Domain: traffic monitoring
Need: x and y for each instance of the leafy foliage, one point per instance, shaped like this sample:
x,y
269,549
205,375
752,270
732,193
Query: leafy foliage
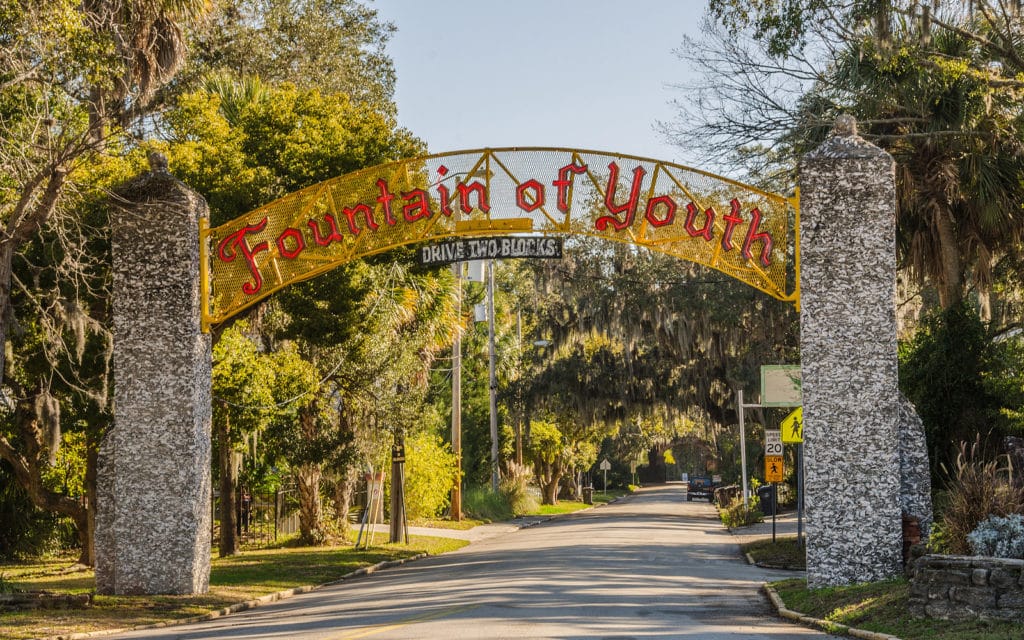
x,y
336,46
735,514
428,463
943,371
1001,537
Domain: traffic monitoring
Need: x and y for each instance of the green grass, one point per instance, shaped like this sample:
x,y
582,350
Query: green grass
x,y
462,525
882,607
604,498
782,554
563,506
243,577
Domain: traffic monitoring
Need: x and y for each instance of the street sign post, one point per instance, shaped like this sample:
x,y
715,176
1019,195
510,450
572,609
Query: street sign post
x,y
792,427
605,466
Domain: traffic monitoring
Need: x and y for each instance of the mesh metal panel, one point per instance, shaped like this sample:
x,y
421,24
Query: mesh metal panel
x,y
739,230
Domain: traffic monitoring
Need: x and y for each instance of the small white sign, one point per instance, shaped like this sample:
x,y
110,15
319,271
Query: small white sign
x,y
773,442
781,386
605,465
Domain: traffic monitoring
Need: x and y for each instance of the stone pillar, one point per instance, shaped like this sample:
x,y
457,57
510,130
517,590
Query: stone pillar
x,y
848,356
153,507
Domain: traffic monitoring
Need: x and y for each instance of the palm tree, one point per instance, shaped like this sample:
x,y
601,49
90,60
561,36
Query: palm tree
x,y
958,150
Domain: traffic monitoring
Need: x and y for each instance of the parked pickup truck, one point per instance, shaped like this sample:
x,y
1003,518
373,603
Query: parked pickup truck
x,y
700,487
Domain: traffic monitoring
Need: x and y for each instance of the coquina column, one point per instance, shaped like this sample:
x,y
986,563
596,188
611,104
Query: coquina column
x,y
848,356
153,508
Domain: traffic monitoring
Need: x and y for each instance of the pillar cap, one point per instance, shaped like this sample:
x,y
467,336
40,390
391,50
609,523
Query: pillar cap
x,y
844,142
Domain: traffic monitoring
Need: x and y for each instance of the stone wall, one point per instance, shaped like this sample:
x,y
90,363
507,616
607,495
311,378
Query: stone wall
x,y
966,587
848,360
153,488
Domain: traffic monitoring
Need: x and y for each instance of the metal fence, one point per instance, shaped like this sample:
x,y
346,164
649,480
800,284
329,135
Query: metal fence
x,y
262,519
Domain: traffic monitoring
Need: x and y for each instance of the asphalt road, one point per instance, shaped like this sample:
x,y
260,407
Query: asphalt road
x,y
648,566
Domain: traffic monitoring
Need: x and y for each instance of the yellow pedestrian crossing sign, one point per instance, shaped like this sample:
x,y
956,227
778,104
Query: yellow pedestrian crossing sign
x,y
774,469
793,427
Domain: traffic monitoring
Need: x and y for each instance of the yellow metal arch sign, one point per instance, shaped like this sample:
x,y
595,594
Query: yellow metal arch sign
x,y
737,229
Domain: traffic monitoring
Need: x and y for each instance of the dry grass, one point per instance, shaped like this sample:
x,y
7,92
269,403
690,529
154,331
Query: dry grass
x,y
977,489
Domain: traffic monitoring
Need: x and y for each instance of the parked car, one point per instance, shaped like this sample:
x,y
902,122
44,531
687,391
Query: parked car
x,y
700,487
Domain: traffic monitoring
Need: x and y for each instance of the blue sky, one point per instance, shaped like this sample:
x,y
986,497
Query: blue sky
x,y
568,73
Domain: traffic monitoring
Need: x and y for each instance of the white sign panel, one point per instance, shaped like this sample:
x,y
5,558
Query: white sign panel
x,y
781,386
772,442
605,465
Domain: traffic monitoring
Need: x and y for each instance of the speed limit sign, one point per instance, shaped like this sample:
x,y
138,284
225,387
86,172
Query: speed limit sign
x,y
772,442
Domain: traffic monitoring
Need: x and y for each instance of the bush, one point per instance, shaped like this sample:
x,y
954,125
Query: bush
x,y
999,537
977,489
736,515
25,530
430,474
480,503
514,486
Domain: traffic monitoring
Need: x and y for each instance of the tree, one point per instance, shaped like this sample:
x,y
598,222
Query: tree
x,y
244,384
72,77
947,370
928,86
548,453
335,46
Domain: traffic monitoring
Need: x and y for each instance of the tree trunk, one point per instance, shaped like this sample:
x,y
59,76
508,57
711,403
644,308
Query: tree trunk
x,y
343,491
88,555
549,489
311,520
228,544
950,283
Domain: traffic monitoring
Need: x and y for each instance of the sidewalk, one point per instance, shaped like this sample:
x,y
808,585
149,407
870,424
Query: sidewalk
x,y
477,533
785,525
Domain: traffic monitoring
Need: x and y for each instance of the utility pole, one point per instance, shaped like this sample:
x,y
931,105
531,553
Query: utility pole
x,y
456,508
520,409
493,378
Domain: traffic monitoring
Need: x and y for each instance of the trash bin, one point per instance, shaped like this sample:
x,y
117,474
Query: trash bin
x,y
588,495
767,497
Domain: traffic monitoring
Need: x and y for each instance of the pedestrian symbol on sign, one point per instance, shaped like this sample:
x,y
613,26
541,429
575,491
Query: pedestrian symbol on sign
x,y
793,427
774,469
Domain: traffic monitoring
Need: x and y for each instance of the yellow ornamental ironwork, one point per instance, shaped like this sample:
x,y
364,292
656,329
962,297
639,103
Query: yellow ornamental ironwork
x,y
737,229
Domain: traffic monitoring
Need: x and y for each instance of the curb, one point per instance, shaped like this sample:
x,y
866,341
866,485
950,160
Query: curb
x,y
824,625
240,606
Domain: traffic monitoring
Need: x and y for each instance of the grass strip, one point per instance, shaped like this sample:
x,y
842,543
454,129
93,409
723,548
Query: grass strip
x,y
882,607
781,554
235,579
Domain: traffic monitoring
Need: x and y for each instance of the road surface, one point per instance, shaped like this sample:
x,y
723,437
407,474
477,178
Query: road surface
x,y
649,566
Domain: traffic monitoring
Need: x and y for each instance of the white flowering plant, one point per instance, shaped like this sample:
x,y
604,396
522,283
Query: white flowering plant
x,y
999,537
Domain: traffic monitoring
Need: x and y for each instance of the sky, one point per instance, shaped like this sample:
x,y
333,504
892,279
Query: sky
x,y
588,74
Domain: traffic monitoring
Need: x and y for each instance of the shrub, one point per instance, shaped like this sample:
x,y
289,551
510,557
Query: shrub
x,y
480,503
999,537
736,515
430,472
977,489
515,487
